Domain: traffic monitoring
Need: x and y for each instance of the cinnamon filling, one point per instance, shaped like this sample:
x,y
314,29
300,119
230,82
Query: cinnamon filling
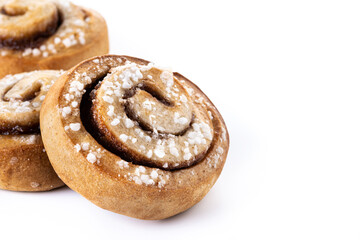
x,y
99,131
7,130
91,126
133,116
21,96
33,40
15,130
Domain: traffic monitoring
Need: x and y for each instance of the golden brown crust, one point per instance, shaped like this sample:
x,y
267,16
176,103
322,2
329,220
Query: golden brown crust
x,y
24,165
82,34
127,189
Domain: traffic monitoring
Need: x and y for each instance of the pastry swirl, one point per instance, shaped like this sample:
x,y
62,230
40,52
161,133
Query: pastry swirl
x,y
48,34
141,140
136,105
23,162
26,23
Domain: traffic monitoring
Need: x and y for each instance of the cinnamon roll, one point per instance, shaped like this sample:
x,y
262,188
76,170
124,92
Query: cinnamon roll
x,y
48,34
133,138
24,165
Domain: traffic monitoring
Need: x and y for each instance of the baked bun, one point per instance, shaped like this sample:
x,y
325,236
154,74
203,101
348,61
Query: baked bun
x,y
48,34
133,138
24,165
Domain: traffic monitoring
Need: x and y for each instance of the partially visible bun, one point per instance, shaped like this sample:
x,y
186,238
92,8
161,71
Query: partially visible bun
x,y
24,165
48,34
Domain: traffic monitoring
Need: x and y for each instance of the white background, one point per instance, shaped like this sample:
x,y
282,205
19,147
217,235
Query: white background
x,y
285,76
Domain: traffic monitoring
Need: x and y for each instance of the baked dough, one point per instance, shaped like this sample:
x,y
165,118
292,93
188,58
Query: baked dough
x,y
133,138
48,34
24,165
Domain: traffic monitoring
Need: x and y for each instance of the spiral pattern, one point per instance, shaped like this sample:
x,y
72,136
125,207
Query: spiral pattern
x,y
24,22
21,98
41,28
143,114
133,138
24,165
